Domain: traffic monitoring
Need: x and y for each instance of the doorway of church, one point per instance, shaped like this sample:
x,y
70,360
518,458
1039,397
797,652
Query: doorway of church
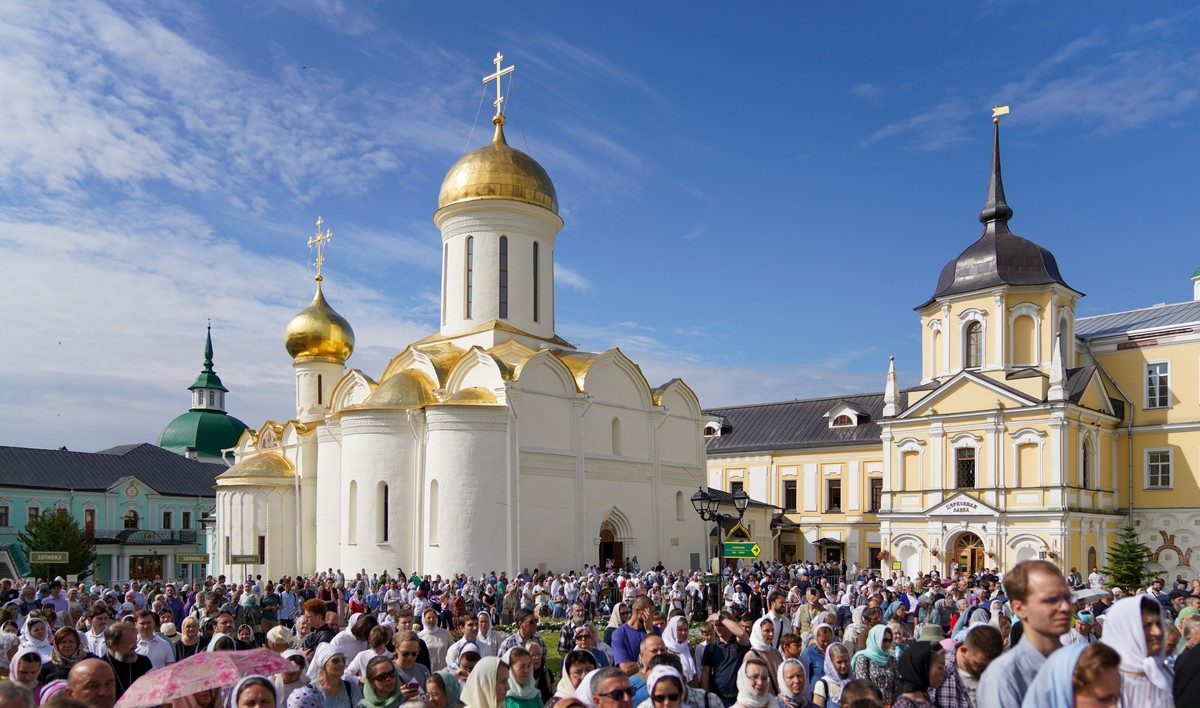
x,y
968,553
145,567
610,549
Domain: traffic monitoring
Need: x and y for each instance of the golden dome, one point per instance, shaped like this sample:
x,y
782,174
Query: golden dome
x,y
258,466
406,389
498,171
474,396
319,333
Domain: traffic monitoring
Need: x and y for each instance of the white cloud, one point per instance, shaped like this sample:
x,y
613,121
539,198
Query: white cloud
x,y
866,91
566,277
695,232
936,128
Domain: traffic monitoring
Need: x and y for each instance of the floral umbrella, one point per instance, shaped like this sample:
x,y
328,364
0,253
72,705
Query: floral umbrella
x,y
201,672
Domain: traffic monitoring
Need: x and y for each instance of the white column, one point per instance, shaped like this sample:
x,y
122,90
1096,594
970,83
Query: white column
x,y
853,474
168,566
946,338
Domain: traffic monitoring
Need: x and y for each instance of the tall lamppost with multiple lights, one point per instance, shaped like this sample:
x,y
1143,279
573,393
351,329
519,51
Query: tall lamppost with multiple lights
x,y
706,505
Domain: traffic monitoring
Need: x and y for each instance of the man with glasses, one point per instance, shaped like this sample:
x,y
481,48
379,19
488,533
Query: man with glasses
x,y
610,688
1040,597
566,636
526,632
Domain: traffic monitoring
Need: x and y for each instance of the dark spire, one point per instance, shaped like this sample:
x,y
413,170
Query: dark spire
x,y
996,209
208,377
208,353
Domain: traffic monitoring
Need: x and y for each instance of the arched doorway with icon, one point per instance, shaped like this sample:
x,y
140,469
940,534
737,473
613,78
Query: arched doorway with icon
x,y
966,553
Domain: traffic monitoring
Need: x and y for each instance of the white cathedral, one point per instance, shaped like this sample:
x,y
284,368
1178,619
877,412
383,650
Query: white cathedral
x,y
492,444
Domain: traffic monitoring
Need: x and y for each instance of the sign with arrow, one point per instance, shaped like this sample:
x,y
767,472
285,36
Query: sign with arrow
x,y
742,549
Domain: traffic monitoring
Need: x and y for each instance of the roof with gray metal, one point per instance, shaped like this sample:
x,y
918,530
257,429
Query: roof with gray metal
x,y
792,425
1147,318
163,471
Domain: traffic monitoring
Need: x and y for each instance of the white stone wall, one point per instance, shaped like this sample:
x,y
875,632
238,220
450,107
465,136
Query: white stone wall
x,y
467,455
244,513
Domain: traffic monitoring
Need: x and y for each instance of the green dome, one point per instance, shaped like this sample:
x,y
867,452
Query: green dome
x,y
207,431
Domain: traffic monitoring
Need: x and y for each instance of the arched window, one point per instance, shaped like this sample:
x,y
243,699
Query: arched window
x,y
131,519
352,515
433,512
503,277
381,514
320,390
1064,337
935,354
536,265
616,436
973,353
470,266
679,506
1085,464
445,272
842,420
1024,345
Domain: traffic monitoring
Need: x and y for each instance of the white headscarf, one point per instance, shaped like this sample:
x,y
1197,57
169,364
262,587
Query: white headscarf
x,y
480,689
747,697
756,636
584,692
325,651
1123,631
784,691
658,673
43,647
681,649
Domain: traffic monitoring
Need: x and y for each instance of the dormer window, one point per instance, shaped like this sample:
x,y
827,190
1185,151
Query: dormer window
x,y
712,430
842,421
847,414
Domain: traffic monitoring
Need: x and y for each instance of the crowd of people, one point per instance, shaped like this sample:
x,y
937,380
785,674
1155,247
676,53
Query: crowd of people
x,y
795,636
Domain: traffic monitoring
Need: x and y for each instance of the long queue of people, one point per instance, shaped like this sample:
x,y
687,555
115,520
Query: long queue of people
x,y
774,635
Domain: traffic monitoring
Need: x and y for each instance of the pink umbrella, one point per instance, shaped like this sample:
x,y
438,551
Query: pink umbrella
x,y
201,672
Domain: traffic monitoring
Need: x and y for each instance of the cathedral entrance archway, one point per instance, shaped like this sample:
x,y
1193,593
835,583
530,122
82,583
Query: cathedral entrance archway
x,y
610,548
967,553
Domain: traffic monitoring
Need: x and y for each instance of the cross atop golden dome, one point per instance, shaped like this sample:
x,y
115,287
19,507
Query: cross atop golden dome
x,y
318,332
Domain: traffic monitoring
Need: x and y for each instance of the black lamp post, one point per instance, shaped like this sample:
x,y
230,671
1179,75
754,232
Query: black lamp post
x,y
706,505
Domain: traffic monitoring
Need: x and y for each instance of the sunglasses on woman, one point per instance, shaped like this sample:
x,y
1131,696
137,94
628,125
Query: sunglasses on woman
x,y
665,698
385,676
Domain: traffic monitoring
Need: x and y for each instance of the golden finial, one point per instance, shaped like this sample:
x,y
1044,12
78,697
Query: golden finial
x,y
319,239
499,102
998,111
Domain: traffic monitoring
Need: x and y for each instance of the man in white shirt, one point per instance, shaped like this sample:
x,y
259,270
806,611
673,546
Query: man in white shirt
x,y
97,623
149,644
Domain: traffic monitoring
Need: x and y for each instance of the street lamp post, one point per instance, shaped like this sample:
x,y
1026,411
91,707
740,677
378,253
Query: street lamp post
x,y
706,505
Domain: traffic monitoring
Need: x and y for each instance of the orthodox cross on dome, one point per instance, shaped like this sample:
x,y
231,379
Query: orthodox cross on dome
x,y
318,240
499,102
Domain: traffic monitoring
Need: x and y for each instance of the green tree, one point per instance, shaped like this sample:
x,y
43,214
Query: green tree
x,y
58,531
1128,560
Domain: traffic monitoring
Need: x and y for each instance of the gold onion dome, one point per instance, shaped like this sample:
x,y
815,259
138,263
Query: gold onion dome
x,y
319,333
498,171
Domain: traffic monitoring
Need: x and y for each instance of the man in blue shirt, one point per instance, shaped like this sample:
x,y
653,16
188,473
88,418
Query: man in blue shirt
x,y
627,639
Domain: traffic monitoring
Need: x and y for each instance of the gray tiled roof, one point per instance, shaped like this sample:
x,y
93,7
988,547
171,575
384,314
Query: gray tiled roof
x,y
792,425
163,471
1156,317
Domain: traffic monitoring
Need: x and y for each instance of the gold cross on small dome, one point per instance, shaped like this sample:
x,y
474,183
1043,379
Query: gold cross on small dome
x,y
499,102
319,239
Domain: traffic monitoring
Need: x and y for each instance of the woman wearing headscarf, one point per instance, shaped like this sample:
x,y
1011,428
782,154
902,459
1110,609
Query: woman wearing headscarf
x,y
620,613
69,650
792,682
826,690
522,690
287,682
221,642
762,635
380,687
543,677
676,640
1134,628
876,663
922,667
252,692
1090,672
24,669
436,639
35,636
326,687
8,647
665,687
442,690
576,665
583,693
487,686
754,685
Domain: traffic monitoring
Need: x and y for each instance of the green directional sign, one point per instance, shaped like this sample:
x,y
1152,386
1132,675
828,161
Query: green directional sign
x,y
243,559
49,557
742,549
195,558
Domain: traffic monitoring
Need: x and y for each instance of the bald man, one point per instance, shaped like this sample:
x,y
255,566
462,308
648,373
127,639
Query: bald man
x,y
93,682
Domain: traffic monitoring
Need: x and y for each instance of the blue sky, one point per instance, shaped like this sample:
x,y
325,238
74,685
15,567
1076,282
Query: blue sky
x,y
755,195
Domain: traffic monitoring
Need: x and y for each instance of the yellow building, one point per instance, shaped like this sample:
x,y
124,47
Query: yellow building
x,y
1016,442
